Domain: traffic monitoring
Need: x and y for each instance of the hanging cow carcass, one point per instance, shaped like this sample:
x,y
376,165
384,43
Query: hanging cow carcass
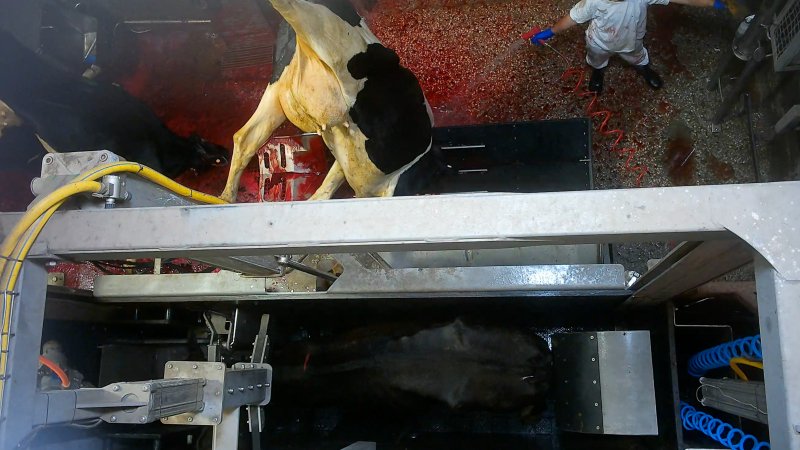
x,y
343,84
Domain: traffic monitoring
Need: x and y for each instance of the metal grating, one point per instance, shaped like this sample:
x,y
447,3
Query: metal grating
x,y
786,37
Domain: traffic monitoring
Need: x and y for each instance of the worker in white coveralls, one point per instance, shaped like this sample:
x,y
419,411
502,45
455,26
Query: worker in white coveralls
x,y
617,27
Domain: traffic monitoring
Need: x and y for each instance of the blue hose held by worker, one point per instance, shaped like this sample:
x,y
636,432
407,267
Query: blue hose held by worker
x,y
721,355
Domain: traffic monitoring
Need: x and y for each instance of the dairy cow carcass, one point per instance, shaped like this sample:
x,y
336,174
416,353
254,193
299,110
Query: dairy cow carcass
x,y
458,365
343,84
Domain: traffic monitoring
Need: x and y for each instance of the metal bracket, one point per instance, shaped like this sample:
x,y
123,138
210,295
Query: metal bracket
x,y
243,384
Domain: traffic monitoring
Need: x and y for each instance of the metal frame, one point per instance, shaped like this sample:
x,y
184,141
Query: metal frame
x,y
762,215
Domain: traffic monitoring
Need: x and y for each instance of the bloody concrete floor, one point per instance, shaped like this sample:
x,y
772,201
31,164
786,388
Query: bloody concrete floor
x,y
475,69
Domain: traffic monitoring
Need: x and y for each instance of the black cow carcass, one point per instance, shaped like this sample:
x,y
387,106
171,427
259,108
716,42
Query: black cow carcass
x,y
455,365
71,113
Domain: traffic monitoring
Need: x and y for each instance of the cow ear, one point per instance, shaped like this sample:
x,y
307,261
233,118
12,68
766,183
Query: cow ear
x,y
377,59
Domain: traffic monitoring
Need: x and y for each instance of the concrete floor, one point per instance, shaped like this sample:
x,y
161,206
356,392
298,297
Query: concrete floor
x,y
474,69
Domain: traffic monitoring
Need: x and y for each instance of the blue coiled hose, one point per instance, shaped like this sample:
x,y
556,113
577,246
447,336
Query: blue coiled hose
x,y
720,356
725,434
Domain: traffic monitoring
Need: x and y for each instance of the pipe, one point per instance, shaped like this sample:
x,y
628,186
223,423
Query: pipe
x,y
748,105
733,94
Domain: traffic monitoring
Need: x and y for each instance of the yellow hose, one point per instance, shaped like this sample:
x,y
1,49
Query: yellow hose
x,y
10,281
151,175
734,362
17,244
33,214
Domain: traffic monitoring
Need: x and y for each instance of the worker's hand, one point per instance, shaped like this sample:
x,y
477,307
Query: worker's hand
x,y
542,36
719,4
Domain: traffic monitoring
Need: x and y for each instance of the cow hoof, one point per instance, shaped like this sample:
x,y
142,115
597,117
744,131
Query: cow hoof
x,y
226,196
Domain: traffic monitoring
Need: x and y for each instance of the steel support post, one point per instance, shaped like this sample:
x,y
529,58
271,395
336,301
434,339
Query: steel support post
x,y
226,434
26,329
779,312
732,96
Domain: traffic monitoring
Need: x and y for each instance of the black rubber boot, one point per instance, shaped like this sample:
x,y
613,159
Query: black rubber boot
x,y
596,81
650,76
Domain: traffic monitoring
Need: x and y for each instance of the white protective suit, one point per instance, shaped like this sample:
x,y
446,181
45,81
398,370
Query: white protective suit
x,y
617,27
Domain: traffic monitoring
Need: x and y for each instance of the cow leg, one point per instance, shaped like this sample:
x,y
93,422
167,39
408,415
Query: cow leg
x,y
325,33
330,184
268,116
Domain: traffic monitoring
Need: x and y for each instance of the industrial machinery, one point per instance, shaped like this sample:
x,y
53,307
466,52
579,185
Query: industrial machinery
x,y
179,357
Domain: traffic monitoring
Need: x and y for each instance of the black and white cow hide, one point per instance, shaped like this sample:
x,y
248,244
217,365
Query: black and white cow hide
x,y
333,77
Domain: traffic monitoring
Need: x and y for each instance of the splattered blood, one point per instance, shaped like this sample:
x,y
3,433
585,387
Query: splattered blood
x,y
722,171
679,155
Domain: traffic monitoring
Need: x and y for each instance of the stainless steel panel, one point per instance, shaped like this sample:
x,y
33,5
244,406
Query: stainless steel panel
x,y
627,388
742,398
577,380
604,383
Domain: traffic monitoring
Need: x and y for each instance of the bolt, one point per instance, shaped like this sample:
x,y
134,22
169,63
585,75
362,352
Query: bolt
x,y
596,404
230,391
215,419
266,384
115,387
113,419
250,387
217,393
593,359
241,389
103,157
189,419
591,338
252,366
597,427
165,419
169,366
48,160
219,366
143,419
594,381
145,388
259,386
194,366
566,381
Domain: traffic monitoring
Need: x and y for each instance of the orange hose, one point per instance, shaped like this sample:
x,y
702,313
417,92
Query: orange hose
x,y
637,169
58,371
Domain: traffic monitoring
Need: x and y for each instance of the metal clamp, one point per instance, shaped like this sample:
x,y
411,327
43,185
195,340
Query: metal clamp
x,y
224,388
113,190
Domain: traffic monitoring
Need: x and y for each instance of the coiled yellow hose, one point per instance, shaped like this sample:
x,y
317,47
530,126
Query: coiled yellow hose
x,y
18,242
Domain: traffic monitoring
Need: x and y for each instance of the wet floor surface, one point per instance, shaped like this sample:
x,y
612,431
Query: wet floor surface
x,y
475,69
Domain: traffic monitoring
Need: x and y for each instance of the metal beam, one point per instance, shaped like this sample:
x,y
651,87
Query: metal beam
x,y
688,266
482,279
762,214
779,312
18,411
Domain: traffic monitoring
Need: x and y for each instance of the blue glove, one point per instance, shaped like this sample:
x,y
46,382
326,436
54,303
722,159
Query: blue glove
x,y
544,35
719,4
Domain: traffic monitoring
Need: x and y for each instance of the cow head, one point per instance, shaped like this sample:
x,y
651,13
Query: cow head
x,y
206,154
